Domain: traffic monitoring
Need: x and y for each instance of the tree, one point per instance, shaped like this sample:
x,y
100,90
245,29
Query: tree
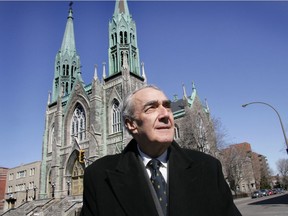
x,y
282,167
220,133
237,166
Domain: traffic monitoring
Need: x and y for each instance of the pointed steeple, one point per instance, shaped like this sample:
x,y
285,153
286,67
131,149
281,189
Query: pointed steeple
x,y
68,42
67,62
121,8
123,41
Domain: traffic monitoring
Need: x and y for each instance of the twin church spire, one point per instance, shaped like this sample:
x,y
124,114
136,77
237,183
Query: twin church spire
x,y
123,51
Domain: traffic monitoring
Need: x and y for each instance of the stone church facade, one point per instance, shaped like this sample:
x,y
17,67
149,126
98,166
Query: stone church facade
x,y
87,118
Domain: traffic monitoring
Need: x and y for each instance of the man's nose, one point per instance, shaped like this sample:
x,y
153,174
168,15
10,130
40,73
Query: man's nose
x,y
163,111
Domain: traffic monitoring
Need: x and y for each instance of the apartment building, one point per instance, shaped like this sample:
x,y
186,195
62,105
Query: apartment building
x,y
22,184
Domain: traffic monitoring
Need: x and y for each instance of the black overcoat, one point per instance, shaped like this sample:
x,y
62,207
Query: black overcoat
x,y
115,185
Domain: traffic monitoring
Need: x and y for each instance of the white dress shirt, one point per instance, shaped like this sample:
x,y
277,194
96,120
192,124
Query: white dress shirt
x,y
162,158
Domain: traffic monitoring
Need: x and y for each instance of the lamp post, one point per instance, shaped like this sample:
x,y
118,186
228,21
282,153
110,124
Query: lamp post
x,y
53,189
35,188
282,127
68,187
27,194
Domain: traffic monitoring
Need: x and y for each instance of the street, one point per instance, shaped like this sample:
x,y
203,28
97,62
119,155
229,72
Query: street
x,y
275,205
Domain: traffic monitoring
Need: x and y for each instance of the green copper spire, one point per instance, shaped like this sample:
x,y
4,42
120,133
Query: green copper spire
x,y
123,50
67,62
121,8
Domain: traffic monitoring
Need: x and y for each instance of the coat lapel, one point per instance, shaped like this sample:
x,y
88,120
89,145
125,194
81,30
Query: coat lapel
x,y
185,180
130,186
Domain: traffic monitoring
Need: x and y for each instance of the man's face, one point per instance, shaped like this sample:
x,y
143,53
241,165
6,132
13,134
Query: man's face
x,y
153,124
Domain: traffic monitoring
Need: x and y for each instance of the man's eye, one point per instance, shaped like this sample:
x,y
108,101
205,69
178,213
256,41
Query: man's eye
x,y
150,109
167,104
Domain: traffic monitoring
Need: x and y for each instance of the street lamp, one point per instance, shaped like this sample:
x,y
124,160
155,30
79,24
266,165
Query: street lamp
x,y
53,189
282,127
35,188
68,186
27,194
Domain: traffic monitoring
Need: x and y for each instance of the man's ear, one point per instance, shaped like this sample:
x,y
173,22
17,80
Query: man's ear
x,y
131,125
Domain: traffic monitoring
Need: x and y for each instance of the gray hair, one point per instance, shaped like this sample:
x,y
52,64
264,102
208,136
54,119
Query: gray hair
x,y
128,105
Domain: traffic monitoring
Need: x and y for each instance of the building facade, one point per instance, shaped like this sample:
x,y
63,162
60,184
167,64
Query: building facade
x,y
22,184
3,176
244,169
86,118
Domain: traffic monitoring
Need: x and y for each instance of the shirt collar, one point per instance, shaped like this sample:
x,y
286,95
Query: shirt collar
x,y
162,158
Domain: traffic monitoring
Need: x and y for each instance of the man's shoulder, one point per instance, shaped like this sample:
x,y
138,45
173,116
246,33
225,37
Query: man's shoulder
x,y
195,155
105,162
112,161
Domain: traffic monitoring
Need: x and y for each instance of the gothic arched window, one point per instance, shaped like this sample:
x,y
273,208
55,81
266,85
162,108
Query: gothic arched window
x,y
116,116
121,37
201,135
78,127
125,37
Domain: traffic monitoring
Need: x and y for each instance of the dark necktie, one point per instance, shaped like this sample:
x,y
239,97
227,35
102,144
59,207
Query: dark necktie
x,y
158,183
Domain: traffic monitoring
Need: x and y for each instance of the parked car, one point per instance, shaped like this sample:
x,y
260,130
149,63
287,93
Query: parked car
x,y
274,191
256,194
270,192
264,192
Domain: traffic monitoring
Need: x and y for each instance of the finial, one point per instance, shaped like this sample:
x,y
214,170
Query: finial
x,y
143,72
184,91
206,102
193,85
70,4
175,97
49,97
95,72
104,70
193,90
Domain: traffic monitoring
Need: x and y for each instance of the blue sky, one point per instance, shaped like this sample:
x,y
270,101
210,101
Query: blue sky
x,y
234,52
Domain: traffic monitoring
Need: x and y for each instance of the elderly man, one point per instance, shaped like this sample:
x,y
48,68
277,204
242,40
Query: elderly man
x,y
153,176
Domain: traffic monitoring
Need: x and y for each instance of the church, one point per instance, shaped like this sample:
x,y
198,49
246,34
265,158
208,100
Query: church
x,y
83,121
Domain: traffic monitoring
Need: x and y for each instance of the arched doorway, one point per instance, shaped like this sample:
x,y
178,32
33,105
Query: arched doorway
x,y
77,178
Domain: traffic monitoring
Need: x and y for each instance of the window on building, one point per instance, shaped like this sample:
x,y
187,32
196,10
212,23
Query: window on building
x,y
116,116
20,187
32,172
201,135
51,139
121,37
10,189
31,185
11,176
78,127
176,132
125,38
21,174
